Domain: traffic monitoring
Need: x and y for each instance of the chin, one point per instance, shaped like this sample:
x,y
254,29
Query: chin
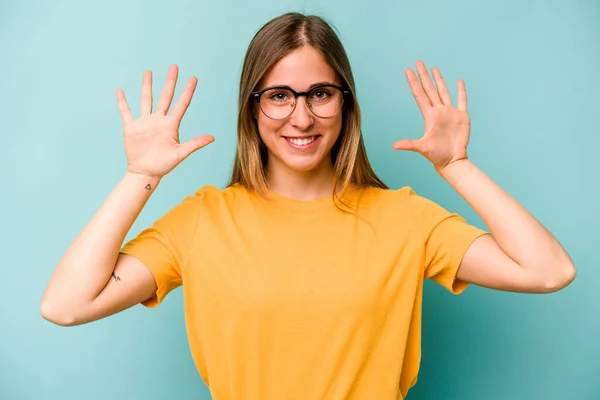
x,y
293,163
303,166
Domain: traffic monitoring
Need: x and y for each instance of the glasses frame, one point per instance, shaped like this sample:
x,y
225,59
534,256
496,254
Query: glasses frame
x,y
257,94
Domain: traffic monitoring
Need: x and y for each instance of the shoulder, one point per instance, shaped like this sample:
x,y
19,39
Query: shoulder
x,y
401,205
407,197
207,193
210,196
402,197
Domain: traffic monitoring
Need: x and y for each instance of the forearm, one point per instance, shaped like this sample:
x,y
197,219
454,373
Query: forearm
x,y
514,229
90,260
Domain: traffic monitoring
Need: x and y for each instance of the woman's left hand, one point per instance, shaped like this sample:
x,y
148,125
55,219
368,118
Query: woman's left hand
x,y
447,129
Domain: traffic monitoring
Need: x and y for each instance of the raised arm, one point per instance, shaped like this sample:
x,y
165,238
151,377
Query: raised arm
x,y
520,255
92,280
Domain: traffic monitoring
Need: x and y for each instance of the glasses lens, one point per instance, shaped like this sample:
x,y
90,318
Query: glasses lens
x,y
325,101
277,103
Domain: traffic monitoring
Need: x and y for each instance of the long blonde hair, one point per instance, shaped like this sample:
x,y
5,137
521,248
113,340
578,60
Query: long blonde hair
x,y
272,42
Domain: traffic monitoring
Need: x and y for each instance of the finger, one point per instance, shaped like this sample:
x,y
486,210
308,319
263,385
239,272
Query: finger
x,y
409,144
428,84
187,148
462,95
185,99
441,87
167,93
124,107
417,91
146,100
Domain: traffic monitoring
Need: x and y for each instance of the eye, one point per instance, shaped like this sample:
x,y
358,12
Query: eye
x,y
320,94
278,96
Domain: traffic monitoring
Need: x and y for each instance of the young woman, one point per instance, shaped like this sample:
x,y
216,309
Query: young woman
x,y
303,278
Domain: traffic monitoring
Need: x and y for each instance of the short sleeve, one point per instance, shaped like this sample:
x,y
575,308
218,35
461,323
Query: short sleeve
x,y
164,247
447,237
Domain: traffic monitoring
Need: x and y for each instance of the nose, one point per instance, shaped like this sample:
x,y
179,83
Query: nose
x,y
301,117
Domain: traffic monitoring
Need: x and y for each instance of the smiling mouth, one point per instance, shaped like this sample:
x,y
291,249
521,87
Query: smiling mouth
x,y
301,141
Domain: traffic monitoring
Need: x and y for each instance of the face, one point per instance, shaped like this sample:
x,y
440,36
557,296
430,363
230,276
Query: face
x,y
302,141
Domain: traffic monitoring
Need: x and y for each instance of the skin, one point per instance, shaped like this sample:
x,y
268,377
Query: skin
x,y
520,254
303,175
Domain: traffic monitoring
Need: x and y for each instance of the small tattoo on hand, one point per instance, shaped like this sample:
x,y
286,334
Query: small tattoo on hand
x,y
148,187
116,277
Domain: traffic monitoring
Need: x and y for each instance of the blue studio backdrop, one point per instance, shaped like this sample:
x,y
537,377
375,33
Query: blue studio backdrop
x,y
531,71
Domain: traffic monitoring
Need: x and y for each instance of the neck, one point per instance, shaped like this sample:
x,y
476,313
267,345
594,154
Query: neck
x,y
314,184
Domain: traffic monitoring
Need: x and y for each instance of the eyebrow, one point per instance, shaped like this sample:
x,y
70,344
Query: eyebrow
x,y
310,87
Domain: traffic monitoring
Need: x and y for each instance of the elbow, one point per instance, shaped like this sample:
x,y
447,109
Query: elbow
x,y
51,314
563,278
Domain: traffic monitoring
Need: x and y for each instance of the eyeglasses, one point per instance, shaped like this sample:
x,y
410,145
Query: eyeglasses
x,y
279,102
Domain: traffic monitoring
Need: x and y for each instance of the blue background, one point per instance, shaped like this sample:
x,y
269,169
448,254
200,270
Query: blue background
x,y
531,70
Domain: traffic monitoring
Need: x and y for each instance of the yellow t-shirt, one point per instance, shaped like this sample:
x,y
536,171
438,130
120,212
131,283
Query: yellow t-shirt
x,y
289,299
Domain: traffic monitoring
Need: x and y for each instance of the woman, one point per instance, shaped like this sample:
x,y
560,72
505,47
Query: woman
x,y
303,278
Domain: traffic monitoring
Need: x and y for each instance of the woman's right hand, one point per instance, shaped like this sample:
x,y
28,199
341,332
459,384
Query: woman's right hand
x,y
152,143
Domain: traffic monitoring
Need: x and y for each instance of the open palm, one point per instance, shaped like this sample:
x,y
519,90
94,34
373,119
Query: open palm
x,y
152,144
447,129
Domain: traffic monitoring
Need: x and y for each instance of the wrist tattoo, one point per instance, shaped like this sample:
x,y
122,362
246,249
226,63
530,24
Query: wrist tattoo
x,y
148,187
116,277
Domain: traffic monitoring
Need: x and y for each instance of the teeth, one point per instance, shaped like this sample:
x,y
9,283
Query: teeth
x,y
302,142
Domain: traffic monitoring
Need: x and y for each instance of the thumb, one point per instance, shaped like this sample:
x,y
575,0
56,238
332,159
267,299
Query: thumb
x,y
187,148
408,144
